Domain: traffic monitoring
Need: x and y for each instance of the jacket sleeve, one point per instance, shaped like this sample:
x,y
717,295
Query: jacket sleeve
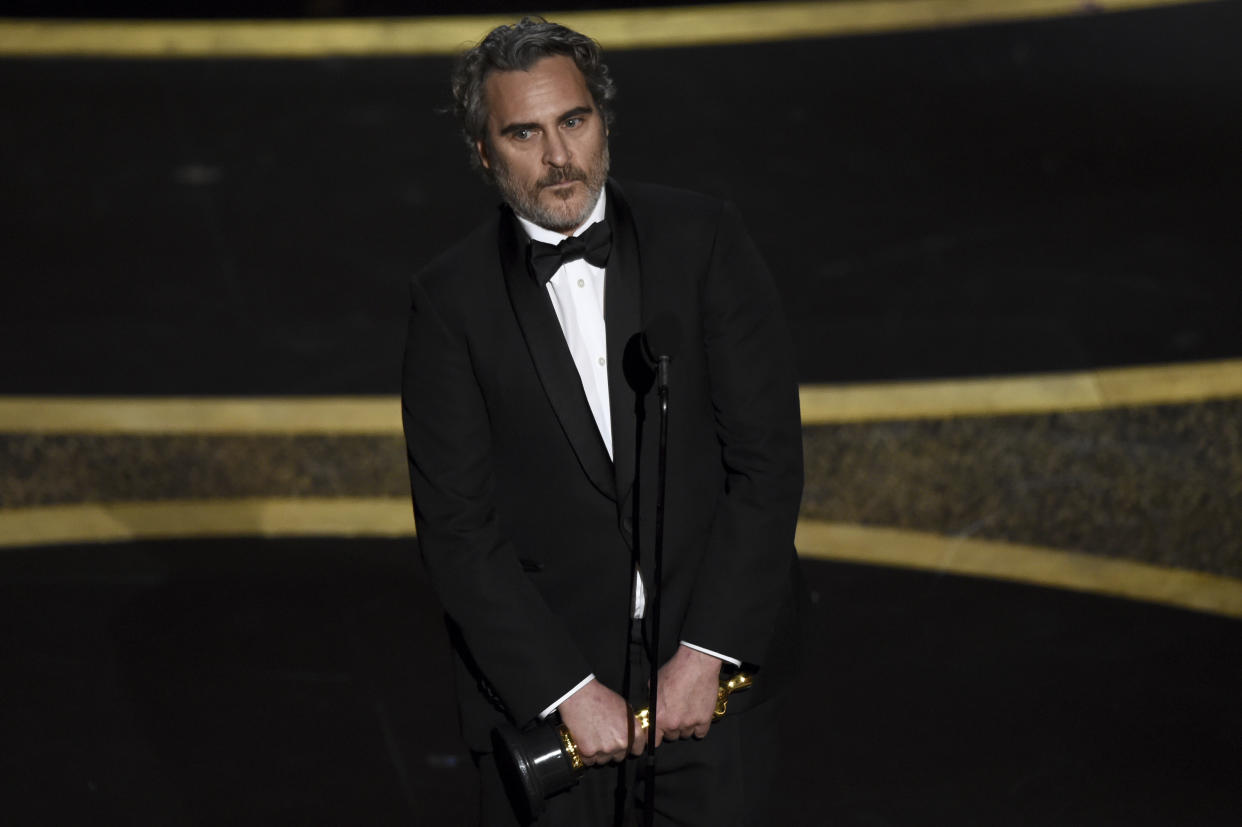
x,y
523,650
744,579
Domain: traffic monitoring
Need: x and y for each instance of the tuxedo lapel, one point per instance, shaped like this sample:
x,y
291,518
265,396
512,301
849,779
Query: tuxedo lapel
x,y
623,320
553,364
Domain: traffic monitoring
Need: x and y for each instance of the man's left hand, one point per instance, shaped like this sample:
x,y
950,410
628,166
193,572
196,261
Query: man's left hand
x,y
689,682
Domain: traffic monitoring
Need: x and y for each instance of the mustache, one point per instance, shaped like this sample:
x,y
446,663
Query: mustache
x,y
560,175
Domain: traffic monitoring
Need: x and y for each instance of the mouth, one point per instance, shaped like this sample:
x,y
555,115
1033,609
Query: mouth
x,y
560,179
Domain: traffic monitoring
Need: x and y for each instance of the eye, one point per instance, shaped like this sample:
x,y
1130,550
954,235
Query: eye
x,y
521,135
573,123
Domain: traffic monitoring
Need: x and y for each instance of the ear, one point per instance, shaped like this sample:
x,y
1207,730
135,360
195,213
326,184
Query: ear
x,y
481,148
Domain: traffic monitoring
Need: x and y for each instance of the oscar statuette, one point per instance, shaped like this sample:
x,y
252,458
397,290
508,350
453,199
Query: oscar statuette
x,y
538,763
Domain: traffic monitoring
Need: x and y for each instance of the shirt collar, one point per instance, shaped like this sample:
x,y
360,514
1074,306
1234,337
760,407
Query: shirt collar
x,y
537,233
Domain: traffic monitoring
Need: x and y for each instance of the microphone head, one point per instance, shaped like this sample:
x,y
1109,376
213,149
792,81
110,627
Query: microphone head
x,y
662,338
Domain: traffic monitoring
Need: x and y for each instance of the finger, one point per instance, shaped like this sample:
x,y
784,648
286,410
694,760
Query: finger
x,y
601,755
701,730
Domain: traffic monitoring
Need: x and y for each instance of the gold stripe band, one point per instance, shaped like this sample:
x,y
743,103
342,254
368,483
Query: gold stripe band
x,y
1032,394
821,404
347,415
190,519
392,517
615,29
1021,564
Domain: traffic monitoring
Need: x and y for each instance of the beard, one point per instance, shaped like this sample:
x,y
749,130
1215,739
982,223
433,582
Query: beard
x,y
554,211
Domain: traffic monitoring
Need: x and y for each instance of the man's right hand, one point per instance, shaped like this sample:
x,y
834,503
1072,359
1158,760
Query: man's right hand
x,y
602,725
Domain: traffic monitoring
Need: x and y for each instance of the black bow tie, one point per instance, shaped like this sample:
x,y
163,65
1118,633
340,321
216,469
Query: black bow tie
x,y
593,245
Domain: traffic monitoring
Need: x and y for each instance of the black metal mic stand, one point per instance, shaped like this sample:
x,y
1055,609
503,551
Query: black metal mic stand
x,y
654,602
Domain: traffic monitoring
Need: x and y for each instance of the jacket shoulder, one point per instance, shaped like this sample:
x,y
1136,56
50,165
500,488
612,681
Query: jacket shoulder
x,y
671,215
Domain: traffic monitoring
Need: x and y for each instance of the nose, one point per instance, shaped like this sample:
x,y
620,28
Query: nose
x,y
555,150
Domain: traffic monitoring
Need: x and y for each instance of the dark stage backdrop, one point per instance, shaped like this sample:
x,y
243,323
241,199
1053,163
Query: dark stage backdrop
x,y
985,200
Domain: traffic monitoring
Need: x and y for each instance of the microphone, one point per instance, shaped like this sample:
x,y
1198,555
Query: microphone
x,y
661,341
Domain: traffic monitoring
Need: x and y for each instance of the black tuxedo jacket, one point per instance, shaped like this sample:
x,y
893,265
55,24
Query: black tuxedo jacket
x,y
529,532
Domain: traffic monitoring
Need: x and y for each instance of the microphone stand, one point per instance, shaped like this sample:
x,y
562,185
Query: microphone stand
x,y
657,579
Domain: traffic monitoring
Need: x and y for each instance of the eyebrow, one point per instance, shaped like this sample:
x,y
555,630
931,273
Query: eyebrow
x,y
577,111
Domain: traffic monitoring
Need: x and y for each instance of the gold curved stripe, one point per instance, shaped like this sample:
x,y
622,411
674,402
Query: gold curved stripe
x,y
1031,394
1022,564
615,29
821,404
347,415
188,519
392,517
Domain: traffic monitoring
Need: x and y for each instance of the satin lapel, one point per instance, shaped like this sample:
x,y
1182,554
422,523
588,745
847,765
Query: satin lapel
x,y
623,320
550,354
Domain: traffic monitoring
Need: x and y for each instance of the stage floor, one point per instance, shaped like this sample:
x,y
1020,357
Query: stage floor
x,y
258,682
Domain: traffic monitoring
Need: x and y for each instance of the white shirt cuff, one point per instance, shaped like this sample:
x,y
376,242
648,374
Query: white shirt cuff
x,y
724,658
567,695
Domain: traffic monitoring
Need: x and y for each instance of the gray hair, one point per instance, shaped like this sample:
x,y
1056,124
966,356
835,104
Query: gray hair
x,y
517,47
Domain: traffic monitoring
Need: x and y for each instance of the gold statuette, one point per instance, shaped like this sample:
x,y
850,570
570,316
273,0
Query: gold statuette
x,y
736,683
642,717
571,748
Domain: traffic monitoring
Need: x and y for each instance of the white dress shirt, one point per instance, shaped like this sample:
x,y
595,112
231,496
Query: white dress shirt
x,y
577,294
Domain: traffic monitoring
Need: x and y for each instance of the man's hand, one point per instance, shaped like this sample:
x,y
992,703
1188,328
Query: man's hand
x,y
602,724
689,682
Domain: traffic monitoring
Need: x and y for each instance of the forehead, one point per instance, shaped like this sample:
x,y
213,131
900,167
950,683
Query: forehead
x,y
551,87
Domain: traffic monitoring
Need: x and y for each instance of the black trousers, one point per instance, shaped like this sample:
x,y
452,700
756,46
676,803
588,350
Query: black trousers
x,y
721,780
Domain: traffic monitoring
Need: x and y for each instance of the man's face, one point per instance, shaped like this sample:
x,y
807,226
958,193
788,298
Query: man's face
x,y
546,144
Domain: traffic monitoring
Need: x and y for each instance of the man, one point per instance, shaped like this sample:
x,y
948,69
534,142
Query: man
x,y
532,428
